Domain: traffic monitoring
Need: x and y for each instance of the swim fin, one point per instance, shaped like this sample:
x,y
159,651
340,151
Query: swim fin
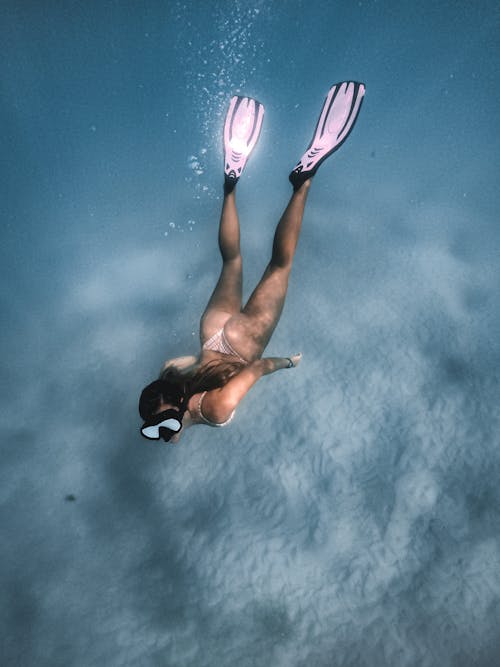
x,y
339,113
241,131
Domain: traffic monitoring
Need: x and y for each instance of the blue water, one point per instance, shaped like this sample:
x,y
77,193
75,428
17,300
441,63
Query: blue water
x,y
349,516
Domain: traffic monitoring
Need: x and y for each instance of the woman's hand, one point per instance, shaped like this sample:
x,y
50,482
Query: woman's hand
x,y
272,364
180,363
295,359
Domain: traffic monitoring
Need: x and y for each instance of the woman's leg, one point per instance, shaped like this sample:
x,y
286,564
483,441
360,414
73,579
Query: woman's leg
x,y
226,297
249,332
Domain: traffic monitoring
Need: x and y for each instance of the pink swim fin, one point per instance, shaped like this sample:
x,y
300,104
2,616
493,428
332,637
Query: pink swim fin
x,y
241,131
338,116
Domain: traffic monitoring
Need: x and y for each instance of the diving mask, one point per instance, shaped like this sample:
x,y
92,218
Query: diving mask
x,y
163,425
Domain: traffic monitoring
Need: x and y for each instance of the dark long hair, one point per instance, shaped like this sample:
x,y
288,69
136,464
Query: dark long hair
x,y
175,387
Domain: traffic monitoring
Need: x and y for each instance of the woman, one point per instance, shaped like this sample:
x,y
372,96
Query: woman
x,y
208,388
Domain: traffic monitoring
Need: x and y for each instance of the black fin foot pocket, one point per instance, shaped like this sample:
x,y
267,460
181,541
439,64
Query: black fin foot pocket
x,y
297,178
229,184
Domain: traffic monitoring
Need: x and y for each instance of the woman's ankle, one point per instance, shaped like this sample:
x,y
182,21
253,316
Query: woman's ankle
x,y
303,188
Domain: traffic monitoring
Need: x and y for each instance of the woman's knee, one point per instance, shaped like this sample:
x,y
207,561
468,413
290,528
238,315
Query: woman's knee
x,y
280,265
231,259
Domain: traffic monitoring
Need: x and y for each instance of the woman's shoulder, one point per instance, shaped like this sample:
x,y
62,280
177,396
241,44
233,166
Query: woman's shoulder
x,y
210,409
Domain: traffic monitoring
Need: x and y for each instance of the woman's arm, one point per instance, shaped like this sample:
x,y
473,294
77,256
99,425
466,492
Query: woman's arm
x,y
220,403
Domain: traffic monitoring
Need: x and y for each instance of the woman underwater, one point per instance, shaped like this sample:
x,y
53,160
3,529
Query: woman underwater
x,y
208,388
